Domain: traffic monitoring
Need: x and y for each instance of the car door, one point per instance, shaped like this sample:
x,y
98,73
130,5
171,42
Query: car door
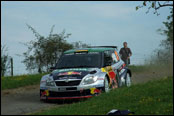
x,y
117,64
108,62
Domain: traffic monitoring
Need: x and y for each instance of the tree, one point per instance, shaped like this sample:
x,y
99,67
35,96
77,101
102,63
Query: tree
x,y
168,32
80,44
5,63
166,46
155,5
45,51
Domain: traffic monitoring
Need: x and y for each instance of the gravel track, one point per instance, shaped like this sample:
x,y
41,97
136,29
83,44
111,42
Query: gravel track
x,y
25,100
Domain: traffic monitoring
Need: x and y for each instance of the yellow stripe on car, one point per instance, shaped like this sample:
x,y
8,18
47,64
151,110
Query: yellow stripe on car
x,y
47,92
81,50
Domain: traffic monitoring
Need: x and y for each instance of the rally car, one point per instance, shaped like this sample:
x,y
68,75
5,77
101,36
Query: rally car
x,y
85,72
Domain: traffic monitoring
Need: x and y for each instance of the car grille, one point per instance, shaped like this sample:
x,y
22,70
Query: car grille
x,y
69,94
70,83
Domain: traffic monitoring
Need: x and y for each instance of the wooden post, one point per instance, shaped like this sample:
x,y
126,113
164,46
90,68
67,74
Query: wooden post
x,y
158,54
11,60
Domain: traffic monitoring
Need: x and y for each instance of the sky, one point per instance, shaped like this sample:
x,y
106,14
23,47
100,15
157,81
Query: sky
x,y
94,23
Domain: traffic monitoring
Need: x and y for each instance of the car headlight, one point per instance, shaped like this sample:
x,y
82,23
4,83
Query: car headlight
x,y
50,82
89,80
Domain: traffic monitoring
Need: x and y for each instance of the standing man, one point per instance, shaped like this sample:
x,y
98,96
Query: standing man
x,y
125,54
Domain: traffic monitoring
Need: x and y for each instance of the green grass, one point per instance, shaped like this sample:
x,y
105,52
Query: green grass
x,y
139,68
153,97
20,81
168,67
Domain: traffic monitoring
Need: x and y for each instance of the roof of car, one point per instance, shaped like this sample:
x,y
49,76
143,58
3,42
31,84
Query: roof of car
x,y
95,49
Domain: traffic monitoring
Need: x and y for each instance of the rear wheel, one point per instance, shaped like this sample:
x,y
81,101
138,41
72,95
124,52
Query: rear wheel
x,y
118,79
106,85
128,80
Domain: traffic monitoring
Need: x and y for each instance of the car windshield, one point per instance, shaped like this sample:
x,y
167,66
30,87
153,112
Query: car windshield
x,y
79,60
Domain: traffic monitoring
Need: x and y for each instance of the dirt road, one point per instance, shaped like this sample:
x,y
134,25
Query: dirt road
x,y
26,99
22,100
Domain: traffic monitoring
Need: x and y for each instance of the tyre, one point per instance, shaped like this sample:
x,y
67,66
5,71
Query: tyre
x,y
118,79
120,84
106,85
128,80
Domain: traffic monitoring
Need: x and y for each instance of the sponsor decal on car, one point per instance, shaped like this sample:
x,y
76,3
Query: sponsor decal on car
x,y
45,93
72,69
95,91
111,75
69,73
63,78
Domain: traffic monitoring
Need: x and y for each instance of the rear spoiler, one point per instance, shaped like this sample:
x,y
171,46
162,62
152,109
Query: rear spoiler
x,y
103,47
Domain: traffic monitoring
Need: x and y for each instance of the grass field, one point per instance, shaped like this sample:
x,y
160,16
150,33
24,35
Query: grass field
x,y
153,97
165,68
138,68
20,81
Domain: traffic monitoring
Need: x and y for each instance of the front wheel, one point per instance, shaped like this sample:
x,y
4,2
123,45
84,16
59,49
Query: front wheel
x,y
106,85
128,80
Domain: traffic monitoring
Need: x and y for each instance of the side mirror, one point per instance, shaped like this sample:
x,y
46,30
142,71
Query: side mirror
x,y
52,68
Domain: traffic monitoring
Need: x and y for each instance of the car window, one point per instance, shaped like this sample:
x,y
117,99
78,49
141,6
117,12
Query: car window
x,y
108,58
80,60
114,58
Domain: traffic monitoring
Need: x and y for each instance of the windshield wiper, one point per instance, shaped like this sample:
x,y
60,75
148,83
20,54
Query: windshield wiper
x,y
83,66
64,67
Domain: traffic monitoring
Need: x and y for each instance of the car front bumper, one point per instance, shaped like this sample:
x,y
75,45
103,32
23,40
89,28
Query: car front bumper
x,y
70,92
65,95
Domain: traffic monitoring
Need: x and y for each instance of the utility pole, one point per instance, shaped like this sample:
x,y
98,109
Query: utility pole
x,y
11,60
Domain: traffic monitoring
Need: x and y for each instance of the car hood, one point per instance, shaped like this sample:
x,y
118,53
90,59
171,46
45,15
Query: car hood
x,y
73,73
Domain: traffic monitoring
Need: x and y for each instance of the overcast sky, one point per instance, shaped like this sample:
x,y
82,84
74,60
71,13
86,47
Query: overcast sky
x,y
95,23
